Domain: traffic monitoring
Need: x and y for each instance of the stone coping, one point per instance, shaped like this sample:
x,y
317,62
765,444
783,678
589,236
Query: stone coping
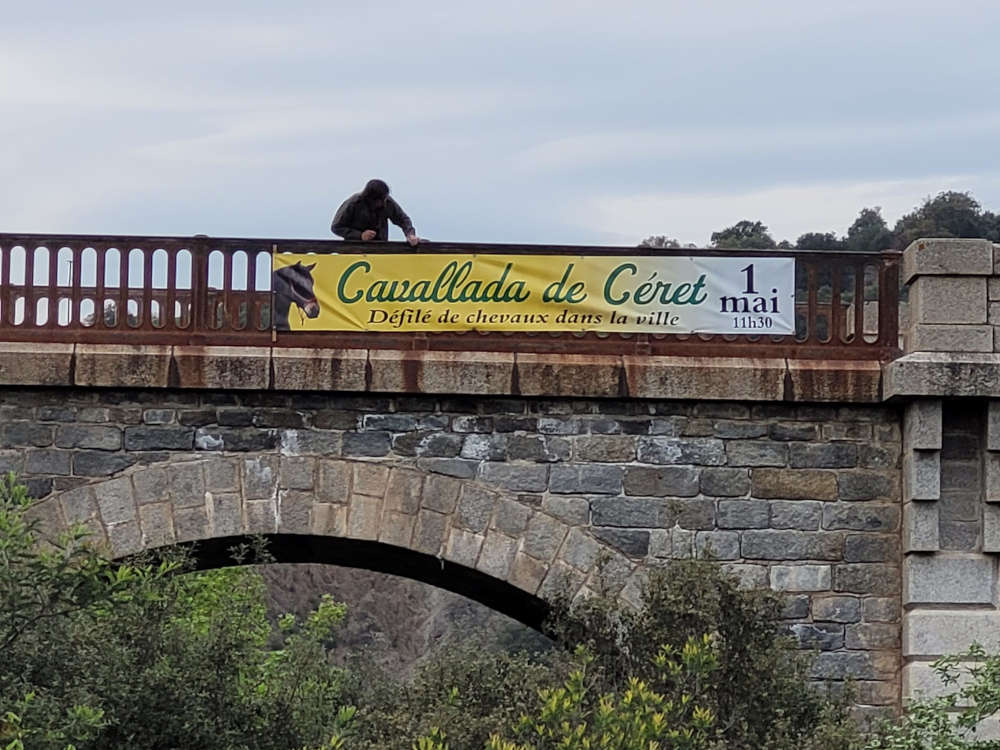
x,y
432,372
943,374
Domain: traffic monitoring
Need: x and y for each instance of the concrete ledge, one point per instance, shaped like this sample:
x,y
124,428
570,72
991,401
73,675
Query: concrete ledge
x,y
319,369
226,367
708,378
36,364
569,375
819,380
947,257
122,366
481,373
943,374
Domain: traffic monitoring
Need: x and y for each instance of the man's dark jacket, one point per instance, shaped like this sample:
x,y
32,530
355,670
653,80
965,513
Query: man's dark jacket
x,y
355,215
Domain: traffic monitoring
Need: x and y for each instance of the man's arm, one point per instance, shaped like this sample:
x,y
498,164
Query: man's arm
x,y
341,224
398,217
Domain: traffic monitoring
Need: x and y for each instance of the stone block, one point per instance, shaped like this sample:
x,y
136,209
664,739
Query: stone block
x,y
574,511
100,463
396,528
261,516
516,477
296,473
689,513
872,636
122,366
370,479
867,485
823,455
922,422
222,367
743,514
837,381
511,517
605,448
115,501
441,493
991,464
47,364
463,547
805,515
527,573
260,477
294,508
993,423
948,579
430,531
820,637
800,577
45,461
298,369
697,451
124,539
485,447
159,438
794,484
791,545
950,338
543,536
496,555
843,609
576,375
363,516
921,527
157,526
718,482
881,609
717,545
539,448
95,437
749,576
948,299
478,373
186,483
226,518
947,257
666,481
871,548
333,481
952,375
921,475
861,517
793,431
404,490
931,633
738,429
78,504
475,507
367,444
634,543
991,528
580,550
705,378
595,479
191,524
756,453
874,579
26,434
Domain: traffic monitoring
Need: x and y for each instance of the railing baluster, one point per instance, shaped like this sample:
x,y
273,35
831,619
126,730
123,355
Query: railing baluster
x,y
6,287
859,304
29,285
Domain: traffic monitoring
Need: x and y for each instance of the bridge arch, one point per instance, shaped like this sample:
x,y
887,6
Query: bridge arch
x,y
489,544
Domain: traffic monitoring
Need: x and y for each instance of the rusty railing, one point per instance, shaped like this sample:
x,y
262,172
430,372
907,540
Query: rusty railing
x,y
216,291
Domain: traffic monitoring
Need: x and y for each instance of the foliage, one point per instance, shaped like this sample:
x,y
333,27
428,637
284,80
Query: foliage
x,y
743,234
948,214
759,690
659,240
818,241
575,717
150,654
869,232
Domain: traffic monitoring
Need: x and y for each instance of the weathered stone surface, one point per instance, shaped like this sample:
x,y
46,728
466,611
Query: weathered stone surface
x,y
843,609
821,637
45,364
429,534
950,338
605,449
441,372
511,517
948,299
866,485
871,548
794,484
371,444
45,461
715,378
921,527
156,525
574,511
227,514
756,453
633,543
527,573
697,451
297,369
949,374
222,367
948,579
866,517
497,555
568,374
260,477
16,434
593,479
804,515
97,437
370,479
159,438
543,536
793,431
717,482
186,481
440,493
930,633
843,665
666,481
99,463
626,511
800,577
823,455
743,514
363,516
580,550
463,547
115,501
122,365
817,380
944,257
866,578
717,545
791,545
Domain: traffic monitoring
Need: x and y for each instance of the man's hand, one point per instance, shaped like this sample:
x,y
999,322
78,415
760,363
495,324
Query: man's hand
x,y
412,239
368,234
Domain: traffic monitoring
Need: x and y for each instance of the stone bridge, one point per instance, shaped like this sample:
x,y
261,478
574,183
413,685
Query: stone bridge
x,y
868,491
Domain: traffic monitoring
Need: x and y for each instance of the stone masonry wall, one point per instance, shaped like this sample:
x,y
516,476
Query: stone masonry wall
x,y
804,499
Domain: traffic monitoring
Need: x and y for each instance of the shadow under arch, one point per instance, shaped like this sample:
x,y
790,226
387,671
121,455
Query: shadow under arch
x,y
380,557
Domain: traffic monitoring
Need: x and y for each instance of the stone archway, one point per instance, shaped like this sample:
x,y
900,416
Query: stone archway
x,y
465,535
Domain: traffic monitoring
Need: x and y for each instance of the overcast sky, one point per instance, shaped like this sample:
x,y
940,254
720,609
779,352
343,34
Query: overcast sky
x,y
561,122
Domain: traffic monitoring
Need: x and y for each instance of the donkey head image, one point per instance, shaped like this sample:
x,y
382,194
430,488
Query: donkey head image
x,y
293,285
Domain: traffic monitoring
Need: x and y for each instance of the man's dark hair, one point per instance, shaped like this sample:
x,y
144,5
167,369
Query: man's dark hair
x,y
375,189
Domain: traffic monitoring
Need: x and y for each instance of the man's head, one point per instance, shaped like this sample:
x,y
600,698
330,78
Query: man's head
x,y
375,193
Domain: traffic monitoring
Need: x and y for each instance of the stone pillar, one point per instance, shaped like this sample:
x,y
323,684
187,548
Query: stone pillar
x,y
949,383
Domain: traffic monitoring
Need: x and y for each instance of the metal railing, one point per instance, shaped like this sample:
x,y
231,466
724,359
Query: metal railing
x,y
217,291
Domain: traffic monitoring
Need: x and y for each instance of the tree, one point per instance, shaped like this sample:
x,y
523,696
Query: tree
x,y
659,241
818,241
869,232
744,234
948,214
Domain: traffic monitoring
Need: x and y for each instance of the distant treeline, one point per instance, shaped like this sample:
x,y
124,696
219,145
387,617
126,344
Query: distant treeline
x,y
949,214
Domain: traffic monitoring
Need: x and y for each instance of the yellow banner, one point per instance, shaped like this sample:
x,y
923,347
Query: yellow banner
x,y
425,292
